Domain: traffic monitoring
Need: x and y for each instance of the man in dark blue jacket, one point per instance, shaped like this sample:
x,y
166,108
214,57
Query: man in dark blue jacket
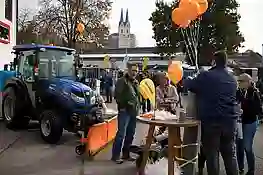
x,y
218,110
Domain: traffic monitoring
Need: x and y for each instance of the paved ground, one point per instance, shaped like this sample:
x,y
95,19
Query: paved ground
x,y
28,155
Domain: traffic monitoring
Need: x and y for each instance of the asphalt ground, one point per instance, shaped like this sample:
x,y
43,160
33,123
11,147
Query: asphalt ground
x,y
24,153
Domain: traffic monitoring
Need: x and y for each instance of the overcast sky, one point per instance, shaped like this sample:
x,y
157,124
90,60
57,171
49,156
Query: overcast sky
x,y
140,11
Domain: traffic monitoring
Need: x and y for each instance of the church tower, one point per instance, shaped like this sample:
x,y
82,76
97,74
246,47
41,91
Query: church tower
x,y
124,31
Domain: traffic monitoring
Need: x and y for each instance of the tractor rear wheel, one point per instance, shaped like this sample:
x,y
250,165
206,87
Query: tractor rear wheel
x,y
51,126
14,119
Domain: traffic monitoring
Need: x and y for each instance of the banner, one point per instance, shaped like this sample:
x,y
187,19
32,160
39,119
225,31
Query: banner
x,y
106,61
145,63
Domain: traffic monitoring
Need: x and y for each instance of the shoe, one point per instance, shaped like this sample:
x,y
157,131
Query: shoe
x,y
128,158
117,161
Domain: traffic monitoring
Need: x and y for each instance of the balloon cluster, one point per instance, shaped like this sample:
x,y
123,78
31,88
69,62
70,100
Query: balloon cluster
x,y
188,10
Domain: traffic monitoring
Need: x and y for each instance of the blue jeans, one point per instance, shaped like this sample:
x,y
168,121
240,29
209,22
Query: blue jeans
x,y
125,134
246,146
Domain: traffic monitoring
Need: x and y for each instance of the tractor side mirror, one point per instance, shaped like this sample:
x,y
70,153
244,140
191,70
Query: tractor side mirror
x,y
6,67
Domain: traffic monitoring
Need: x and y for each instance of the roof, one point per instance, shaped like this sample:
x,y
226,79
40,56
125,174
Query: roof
x,y
25,47
114,34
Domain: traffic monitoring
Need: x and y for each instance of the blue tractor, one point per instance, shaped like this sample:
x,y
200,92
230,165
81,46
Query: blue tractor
x,y
44,88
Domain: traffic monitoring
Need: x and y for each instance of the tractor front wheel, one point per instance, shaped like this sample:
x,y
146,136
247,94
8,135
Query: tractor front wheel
x,y
51,127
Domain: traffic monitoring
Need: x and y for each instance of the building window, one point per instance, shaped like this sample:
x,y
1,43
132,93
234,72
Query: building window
x,y
8,9
4,33
121,30
127,31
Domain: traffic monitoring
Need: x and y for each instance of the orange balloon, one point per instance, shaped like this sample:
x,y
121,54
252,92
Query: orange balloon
x,y
175,72
191,8
80,27
203,6
179,18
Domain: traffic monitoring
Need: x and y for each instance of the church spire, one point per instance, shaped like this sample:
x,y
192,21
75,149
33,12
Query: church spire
x,y
127,17
121,18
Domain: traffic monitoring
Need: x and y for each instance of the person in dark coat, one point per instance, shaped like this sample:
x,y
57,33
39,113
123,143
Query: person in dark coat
x,y
127,97
108,83
251,106
218,111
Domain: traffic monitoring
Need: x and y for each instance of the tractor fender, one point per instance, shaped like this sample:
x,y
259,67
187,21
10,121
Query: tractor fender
x,y
20,89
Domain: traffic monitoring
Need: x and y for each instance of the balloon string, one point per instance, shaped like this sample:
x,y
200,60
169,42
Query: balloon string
x,y
193,43
190,46
187,46
193,31
193,40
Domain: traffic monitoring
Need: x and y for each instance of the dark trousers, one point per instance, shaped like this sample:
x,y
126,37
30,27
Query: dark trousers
x,y
146,106
218,137
201,161
125,134
108,94
240,154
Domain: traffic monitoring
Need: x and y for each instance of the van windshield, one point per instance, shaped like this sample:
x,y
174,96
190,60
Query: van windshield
x,y
58,62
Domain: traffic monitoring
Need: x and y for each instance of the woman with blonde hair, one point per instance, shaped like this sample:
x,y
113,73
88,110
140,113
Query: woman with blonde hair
x,y
166,94
251,107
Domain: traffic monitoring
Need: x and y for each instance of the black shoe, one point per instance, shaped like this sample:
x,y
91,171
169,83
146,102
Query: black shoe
x,y
117,161
129,158
126,156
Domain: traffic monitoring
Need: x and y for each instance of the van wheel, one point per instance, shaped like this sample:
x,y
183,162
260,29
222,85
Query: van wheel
x,y
10,111
51,127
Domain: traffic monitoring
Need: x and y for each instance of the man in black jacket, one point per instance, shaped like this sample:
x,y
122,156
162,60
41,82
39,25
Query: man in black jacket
x,y
218,111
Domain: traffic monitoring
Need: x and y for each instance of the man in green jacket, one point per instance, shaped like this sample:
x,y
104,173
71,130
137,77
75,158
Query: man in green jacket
x,y
127,98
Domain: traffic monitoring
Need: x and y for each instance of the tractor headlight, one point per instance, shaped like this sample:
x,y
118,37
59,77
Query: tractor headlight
x,y
77,98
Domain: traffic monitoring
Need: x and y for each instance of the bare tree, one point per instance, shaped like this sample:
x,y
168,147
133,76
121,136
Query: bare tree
x,y
24,18
26,28
63,16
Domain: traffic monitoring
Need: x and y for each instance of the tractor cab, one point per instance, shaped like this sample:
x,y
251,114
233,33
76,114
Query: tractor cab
x,y
39,65
37,62
44,88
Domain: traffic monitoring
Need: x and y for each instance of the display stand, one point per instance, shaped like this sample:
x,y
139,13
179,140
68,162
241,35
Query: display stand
x,y
175,144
